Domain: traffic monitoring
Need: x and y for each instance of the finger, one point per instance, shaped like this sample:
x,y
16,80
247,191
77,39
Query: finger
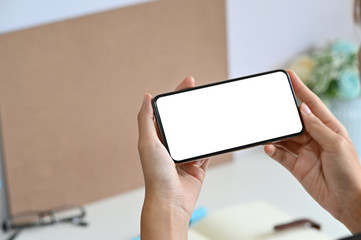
x,y
205,164
188,82
197,168
202,163
146,126
198,163
302,139
286,159
304,94
317,129
291,146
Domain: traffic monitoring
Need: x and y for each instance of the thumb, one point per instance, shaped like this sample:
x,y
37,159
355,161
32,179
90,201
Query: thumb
x,y
145,120
317,129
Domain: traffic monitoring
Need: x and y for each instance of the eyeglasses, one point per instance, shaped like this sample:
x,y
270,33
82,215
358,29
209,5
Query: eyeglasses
x,y
63,214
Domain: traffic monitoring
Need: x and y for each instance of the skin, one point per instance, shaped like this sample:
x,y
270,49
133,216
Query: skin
x,y
171,191
323,159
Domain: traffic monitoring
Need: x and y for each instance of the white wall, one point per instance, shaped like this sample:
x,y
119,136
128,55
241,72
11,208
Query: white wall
x,y
22,14
264,34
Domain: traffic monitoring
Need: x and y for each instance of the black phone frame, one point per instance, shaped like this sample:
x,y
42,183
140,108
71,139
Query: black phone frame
x,y
164,139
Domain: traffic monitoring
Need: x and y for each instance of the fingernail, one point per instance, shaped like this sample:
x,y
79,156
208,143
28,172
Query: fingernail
x,y
305,108
199,163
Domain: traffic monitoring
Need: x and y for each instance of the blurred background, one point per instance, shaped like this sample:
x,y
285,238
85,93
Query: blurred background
x,y
73,74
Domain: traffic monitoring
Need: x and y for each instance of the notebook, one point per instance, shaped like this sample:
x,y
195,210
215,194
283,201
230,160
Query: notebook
x,y
251,221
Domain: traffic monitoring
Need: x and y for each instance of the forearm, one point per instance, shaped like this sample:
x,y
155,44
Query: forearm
x,y
161,221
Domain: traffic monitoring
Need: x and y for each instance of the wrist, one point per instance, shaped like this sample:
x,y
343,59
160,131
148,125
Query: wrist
x,y
162,220
351,217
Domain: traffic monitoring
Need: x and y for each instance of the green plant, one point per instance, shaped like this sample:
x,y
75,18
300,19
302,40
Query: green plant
x,y
331,71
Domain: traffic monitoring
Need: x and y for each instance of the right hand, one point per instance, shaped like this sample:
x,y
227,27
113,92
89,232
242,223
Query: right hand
x,y
323,159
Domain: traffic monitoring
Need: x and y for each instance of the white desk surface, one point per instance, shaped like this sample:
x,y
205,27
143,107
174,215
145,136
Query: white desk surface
x,y
251,176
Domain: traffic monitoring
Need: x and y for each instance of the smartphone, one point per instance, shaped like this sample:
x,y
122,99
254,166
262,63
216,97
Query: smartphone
x,y
229,115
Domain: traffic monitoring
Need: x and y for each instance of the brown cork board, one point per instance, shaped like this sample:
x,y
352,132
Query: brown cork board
x,y
70,93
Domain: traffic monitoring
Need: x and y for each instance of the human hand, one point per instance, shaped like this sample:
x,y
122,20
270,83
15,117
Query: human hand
x,y
323,159
171,191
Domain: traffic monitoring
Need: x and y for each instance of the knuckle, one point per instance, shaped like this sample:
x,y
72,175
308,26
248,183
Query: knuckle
x,y
140,147
340,144
315,120
281,156
344,130
139,116
315,123
147,145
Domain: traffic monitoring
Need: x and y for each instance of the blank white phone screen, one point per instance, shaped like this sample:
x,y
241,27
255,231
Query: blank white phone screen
x,y
225,116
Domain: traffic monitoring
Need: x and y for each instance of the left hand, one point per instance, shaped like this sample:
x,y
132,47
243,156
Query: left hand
x,y
171,190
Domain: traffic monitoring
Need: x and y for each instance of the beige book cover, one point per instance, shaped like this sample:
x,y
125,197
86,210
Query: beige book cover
x,y
251,221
